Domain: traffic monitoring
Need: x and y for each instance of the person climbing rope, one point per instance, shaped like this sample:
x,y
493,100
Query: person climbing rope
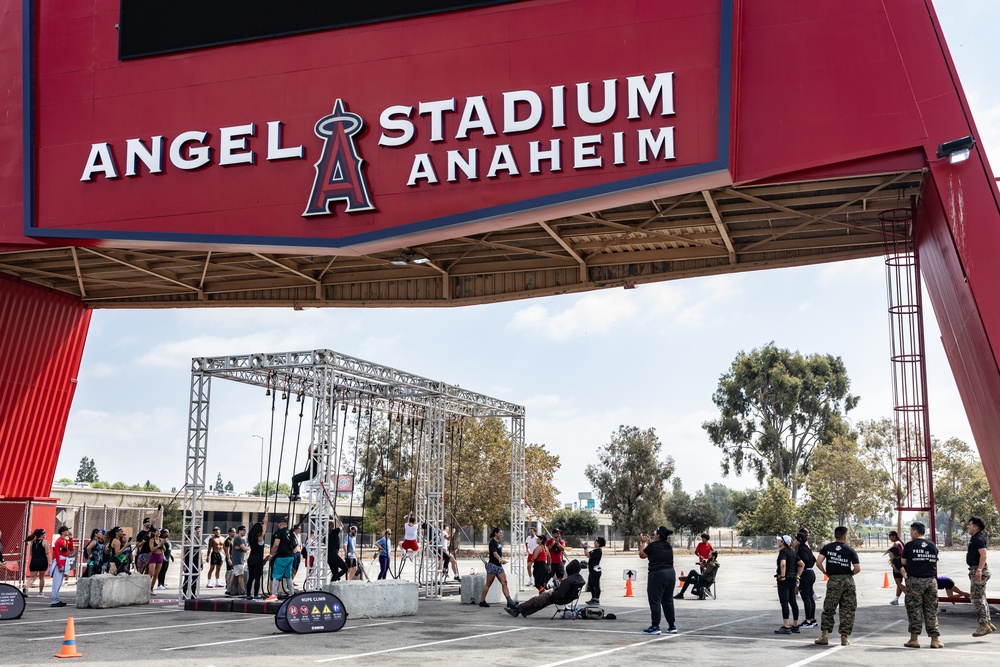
x,y
309,473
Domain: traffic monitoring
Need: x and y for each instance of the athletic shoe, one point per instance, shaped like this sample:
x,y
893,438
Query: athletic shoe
x,y
511,603
815,597
651,630
593,602
484,603
58,604
209,585
782,631
807,625
795,629
679,596
458,578
895,602
671,630
513,611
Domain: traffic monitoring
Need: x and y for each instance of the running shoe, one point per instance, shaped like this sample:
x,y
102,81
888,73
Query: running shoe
x,y
782,631
795,629
484,603
671,630
807,625
593,602
651,630
895,602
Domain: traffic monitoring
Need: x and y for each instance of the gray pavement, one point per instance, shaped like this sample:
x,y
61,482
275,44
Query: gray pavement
x,y
735,629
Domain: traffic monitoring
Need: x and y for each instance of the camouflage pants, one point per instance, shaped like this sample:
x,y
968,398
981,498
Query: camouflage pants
x,y
978,592
840,592
922,605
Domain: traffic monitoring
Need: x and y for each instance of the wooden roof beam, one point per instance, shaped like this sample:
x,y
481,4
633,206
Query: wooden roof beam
x,y
720,224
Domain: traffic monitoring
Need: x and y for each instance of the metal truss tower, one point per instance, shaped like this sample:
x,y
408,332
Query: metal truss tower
x,y
333,380
915,490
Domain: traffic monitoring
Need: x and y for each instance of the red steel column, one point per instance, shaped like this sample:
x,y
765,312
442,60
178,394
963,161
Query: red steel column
x,y
42,334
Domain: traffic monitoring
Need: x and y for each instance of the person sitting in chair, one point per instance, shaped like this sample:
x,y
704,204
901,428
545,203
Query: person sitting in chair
x,y
304,476
700,581
568,590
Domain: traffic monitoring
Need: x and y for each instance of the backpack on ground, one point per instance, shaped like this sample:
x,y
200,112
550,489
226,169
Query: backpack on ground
x,y
591,613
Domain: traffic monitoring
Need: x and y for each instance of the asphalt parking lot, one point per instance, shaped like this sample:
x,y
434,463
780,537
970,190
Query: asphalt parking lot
x,y
735,629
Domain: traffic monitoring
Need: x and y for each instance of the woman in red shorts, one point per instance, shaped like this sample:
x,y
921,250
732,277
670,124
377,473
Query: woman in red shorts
x,y
409,543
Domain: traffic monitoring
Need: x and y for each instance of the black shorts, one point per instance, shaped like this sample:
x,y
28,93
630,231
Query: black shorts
x,y
351,562
897,576
215,559
558,569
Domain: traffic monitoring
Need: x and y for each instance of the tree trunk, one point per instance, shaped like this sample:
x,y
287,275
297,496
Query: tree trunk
x,y
951,529
628,543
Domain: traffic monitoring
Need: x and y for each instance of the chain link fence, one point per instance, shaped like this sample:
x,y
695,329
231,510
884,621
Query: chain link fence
x,y
13,529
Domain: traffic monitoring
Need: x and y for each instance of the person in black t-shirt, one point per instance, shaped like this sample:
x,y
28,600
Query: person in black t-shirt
x,y
494,569
594,570
282,555
920,557
787,573
660,554
979,574
807,578
840,562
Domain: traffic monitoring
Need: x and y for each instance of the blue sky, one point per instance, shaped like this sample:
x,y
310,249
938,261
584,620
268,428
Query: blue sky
x,y
581,364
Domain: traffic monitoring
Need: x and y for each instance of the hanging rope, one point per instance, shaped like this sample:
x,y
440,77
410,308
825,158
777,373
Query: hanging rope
x,y
270,441
364,491
396,472
302,410
458,473
281,454
340,455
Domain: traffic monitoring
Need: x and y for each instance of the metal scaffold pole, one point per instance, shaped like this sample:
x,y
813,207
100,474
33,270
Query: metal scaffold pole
x,y
518,557
195,470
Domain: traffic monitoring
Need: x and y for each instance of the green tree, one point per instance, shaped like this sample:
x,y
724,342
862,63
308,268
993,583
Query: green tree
x,y
574,522
816,513
64,480
776,406
695,515
744,503
774,514
878,441
87,472
219,486
960,487
720,496
282,489
629,479
853,485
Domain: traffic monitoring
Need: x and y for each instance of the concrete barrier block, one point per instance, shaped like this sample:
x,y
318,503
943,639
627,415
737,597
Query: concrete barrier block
x,y
376,599
83,593
122,590
472,589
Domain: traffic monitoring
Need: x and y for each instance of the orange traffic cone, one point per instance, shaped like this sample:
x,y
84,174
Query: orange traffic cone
x,y
885,580
628,588
68,649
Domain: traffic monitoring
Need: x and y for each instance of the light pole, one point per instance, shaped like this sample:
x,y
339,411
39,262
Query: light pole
x,y
259,483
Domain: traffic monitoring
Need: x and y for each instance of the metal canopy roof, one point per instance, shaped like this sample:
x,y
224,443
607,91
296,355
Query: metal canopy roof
x,y
701,233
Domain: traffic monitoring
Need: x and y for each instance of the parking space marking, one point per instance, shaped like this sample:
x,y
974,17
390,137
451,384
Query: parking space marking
x,y
277,634
827,652
590,656
158,627
80,619
425,644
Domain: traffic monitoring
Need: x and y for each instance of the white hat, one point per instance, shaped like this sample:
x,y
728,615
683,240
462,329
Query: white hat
x,y
786,539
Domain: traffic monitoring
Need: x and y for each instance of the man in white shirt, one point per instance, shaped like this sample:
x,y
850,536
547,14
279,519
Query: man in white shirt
x,y
530,543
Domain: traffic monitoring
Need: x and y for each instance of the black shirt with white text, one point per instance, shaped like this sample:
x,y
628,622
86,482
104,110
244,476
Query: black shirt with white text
x,y
921,556
840,558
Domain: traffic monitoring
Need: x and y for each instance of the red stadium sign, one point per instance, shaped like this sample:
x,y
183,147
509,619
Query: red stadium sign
x,y
363,135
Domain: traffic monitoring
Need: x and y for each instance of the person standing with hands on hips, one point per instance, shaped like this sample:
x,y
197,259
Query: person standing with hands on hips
x,y
839,561
660,584
979,574
920,557
789,567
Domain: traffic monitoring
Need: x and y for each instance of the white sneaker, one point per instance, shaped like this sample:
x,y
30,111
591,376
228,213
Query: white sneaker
x,y
209,585
218,584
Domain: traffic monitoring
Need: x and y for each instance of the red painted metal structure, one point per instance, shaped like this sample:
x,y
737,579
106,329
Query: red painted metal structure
x,y
815,90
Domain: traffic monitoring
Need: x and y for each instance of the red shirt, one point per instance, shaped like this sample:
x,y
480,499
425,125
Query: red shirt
x,y
555,556
703,550
61,550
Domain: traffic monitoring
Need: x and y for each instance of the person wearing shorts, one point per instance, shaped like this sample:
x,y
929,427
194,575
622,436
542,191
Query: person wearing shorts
x,y
351,552
239,553
216,548
409,545
282,555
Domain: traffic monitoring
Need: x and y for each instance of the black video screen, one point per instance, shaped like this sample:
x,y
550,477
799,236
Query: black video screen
x,y
151,27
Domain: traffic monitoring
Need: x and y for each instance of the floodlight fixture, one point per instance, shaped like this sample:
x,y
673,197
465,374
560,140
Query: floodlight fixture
x,y
956,150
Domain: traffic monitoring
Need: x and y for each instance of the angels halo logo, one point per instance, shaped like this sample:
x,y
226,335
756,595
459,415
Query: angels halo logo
x,y
339,170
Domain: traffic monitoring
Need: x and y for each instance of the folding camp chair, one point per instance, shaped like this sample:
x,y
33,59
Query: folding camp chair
x,y
569,609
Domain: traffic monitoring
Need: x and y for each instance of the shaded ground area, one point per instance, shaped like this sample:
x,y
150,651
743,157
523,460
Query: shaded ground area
x,y
735,629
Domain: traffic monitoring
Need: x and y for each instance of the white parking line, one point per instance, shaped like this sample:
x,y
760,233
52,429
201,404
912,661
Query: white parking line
x,y
80,619
277,634
155,628
354,656
827,652
591,656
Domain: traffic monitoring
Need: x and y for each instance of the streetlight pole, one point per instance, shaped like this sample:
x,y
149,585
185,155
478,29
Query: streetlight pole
x,y
259,483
